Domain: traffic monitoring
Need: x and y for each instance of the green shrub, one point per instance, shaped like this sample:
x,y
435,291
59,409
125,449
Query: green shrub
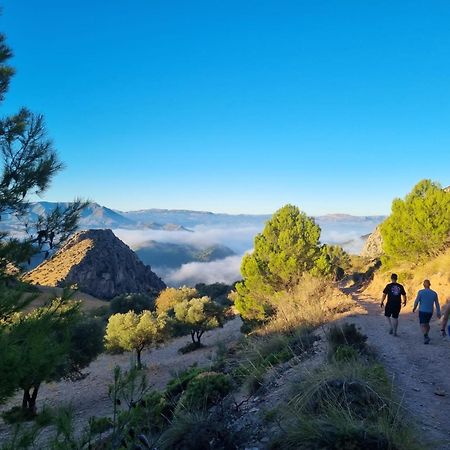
x,y
198,431
131,302
150,415
177,385
99,425
205,390
345,406
345,353
346,335
17,415
190,347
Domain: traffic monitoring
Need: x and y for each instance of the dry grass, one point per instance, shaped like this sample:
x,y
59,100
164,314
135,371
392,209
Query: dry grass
x,y
313,302
88,302
437,270
53,270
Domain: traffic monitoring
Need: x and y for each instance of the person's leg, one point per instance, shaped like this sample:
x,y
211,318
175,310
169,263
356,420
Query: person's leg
x,y
390,324
395,325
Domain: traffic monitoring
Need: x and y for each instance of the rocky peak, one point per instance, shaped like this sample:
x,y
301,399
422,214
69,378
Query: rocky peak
x,y
99,264
373,248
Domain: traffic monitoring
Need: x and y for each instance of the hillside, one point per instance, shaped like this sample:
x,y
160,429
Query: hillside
x,y
99,264
169,255
412,276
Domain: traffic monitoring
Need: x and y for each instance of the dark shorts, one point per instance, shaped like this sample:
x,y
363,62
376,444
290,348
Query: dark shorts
x,y
392,309
425,317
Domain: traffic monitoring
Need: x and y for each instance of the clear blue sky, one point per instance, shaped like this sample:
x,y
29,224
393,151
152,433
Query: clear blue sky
x,y
237,106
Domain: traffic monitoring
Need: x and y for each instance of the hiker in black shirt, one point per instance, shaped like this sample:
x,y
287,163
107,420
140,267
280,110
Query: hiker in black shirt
x,y
394,293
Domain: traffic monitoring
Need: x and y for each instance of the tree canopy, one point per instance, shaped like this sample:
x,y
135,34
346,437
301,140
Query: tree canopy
x,y
198,315
131,331
419,224
288,247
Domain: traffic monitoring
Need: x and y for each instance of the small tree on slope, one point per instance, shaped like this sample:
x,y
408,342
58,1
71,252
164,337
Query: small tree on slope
x,y
198,315
288,247
131,331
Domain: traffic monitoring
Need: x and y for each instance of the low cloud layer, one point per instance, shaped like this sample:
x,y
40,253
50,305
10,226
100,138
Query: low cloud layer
x,y
223,271
239,239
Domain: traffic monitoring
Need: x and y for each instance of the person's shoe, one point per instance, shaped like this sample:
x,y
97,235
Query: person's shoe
x,y
426,340
395,334
391,331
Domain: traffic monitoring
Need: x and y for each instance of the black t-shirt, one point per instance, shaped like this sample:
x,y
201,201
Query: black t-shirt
x,y
394,292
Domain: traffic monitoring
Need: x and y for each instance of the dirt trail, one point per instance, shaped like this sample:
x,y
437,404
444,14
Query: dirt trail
x,y
418,371
89,397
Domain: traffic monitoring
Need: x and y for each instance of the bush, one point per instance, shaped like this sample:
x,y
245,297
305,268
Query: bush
x,y
131,302
216,291
347,336
205,390
150,414
349,405
177,385
198,431
190,347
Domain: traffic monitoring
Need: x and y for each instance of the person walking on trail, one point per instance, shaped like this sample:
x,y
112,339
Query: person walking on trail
x,y
394,292
425,300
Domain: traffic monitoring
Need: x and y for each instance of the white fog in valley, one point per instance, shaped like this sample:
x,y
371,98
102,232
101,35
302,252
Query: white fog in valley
x,y
348,233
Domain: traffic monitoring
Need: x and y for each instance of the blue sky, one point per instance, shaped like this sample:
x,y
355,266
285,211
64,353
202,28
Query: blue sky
x,y
237,106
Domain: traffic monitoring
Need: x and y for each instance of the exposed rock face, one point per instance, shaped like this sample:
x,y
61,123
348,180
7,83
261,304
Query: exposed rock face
x,y
100,264
373,248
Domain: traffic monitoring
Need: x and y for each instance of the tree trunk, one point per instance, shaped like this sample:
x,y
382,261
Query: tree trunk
x,y
199,336
29,401
193,336
139,362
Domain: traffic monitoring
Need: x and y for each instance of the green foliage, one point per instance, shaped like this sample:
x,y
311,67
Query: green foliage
x,y
205,390
131,331
131,302
259,354
342,338
178,384
217,292
169,297
288,247
198,431
47,344
198,315
345,405
34,347
86,343
419,225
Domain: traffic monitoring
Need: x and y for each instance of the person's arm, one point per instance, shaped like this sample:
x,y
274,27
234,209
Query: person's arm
x,y
438,307
445,318
404,299
403,293
417,301
383,298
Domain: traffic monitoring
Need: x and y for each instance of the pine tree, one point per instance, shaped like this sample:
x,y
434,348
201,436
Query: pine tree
x,y
419,225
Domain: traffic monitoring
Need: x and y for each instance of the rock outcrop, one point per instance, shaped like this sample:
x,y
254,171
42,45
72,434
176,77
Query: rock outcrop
x,y
99,264
373,248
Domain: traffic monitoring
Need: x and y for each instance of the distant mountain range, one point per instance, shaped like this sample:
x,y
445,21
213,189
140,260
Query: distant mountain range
x,y
96,216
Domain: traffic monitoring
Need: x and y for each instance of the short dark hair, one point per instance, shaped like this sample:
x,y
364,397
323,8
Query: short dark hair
x,y
394,276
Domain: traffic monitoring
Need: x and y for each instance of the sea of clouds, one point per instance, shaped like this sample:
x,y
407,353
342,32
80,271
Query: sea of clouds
x,y
239,239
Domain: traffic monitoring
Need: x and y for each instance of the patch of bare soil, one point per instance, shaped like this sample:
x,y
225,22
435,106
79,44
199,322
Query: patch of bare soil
x,y
89,397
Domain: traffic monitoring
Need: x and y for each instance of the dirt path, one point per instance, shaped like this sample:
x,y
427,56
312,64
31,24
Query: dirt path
x,y
89,397
417,370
